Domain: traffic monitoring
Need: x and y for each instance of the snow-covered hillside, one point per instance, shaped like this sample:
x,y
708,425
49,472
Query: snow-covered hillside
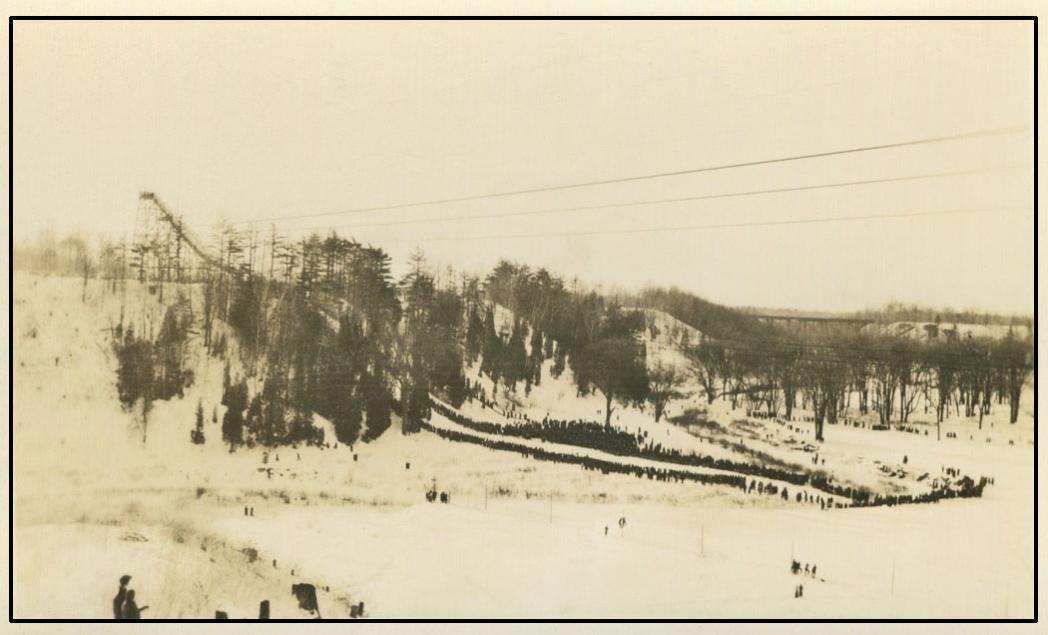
x,y
559,398
519,537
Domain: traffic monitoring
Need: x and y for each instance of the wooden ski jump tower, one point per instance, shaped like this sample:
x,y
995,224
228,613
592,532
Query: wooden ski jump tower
x,y
163,249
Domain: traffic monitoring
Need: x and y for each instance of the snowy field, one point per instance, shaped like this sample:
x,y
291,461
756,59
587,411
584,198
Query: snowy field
x,y
519,538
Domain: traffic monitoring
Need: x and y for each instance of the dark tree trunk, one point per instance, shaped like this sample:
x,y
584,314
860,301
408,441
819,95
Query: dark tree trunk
x,y
902,403
1013,402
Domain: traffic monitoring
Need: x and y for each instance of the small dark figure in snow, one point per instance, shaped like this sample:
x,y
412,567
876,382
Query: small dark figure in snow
x,y
805,568
905,459
131,610
306,594
121,595
605,530
800,590
813,567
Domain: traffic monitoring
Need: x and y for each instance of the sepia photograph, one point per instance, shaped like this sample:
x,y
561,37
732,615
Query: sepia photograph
x,y
558,319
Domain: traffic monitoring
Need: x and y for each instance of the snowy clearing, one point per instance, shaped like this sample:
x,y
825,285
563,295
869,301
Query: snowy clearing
x,y
519,537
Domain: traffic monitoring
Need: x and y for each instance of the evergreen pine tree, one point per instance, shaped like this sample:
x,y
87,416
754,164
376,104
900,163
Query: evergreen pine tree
x,y
197,435
235,400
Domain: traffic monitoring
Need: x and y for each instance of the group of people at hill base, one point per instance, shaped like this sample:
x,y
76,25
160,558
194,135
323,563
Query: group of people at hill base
x,y
795,568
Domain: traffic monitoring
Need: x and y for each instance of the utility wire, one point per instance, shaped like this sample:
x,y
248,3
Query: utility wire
x,y
658,175
663,201
640,230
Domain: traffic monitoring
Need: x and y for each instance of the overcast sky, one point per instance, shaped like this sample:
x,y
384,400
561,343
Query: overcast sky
x,y
248,120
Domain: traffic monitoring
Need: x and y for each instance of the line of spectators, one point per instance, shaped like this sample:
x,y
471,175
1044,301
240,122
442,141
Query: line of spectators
x,y
608,439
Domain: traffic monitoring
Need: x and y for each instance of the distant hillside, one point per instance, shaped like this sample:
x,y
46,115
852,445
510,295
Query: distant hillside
x,y
898,312
794,313
934,331
708,318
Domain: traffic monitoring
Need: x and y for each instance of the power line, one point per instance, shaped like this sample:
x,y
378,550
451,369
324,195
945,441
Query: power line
x,y
641,230
663,201
658,175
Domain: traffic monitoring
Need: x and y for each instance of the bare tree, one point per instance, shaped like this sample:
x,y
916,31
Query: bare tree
x,y
884,370
1014,362
664,385
942,360
911,367
86,266
824,379
707,360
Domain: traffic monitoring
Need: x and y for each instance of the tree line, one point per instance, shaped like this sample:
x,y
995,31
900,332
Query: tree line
x,y
322,326
887,375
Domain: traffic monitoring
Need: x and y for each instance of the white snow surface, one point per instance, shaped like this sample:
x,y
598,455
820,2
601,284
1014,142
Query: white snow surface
x,y
519,538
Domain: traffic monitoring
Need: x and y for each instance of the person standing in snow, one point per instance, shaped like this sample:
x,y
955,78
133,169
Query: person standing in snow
x,y
121,595
131,610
